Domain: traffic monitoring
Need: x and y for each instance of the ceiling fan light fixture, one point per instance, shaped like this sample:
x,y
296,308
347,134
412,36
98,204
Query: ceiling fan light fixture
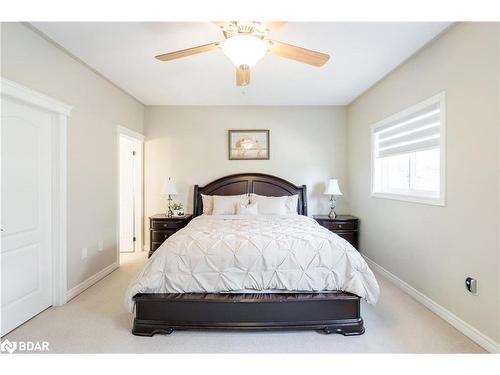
x,y
246,43
244,49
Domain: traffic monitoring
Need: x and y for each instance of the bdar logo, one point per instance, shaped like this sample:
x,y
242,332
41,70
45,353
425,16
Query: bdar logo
x,y
8,346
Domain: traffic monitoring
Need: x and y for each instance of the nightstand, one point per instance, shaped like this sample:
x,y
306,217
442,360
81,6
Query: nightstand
x,y
346,226
161,227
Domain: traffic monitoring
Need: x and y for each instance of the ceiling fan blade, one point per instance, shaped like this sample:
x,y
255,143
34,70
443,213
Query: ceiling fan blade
x,y
273,25
223,27
303,55
243,75
221,23
187,52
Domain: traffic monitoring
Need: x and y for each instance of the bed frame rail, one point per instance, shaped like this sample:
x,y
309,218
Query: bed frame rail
x,y
336,312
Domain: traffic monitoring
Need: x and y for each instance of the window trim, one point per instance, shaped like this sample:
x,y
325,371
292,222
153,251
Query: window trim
x,y
440,201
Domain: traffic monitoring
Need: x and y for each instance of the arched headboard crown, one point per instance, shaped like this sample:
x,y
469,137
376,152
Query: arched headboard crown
x,y
247,183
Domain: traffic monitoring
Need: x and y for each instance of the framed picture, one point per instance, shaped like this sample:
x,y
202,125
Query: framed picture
x,y
248,144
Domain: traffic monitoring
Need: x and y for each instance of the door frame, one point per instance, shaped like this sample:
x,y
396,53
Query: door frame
x,y
139,204
60,112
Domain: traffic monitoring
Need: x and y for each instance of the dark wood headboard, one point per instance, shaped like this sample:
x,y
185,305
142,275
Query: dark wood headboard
x,y
246,183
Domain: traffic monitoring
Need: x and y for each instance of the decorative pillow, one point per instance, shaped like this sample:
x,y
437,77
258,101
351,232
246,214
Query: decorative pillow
x,y
226,204
250,209
290,203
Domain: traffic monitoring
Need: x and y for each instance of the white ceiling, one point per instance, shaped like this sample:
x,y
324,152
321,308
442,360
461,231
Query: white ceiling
x,y
361,54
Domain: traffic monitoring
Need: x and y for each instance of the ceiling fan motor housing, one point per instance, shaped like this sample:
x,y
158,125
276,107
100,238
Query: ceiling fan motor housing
x,y
244,27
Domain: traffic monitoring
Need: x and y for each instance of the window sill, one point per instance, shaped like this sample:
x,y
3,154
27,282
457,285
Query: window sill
x,y
411,198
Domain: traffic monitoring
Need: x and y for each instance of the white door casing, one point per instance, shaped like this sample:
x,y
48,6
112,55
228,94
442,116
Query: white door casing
x,y
130,199
33,204
127,194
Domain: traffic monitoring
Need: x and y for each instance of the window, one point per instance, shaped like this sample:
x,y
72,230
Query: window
x,y
408,154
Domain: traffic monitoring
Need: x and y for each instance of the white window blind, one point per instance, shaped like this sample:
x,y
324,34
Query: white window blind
x,y
413,132
408,153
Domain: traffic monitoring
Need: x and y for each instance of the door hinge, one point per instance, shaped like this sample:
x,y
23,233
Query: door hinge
x,y
133,153
134,239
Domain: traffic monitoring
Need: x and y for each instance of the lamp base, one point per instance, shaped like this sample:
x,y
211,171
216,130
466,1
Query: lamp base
x,y
332,214
170,213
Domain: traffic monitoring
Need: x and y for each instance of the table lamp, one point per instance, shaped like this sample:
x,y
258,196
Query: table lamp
x,y
332,189
169,189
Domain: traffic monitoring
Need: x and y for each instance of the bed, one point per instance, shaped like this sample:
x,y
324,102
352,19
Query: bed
x,y
206,275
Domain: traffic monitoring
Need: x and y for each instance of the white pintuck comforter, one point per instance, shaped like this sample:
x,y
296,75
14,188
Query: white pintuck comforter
x,y
215,254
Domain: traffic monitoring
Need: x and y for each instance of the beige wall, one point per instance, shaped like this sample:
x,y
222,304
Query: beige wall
x,y
98,107
308,146
434,248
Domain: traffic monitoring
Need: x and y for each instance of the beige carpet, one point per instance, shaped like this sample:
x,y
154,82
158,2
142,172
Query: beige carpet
x,y
96,321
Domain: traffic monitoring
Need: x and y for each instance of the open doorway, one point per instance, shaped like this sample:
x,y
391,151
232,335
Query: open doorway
x,y
130,186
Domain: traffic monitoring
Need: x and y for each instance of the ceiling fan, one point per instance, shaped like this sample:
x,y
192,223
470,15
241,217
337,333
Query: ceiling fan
x,y
245,43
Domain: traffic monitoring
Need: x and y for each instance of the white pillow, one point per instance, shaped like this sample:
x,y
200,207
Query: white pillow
x,y
208,201
208,205
292,204
226,204
250,209
273,204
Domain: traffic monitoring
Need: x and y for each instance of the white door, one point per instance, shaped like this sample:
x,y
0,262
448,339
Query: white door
x,y
26,258
128,150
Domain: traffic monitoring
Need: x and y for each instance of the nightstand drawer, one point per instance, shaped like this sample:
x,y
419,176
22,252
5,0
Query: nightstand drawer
x,y
162,227
345,226
335,225
154,246
351,237
164,224
161,235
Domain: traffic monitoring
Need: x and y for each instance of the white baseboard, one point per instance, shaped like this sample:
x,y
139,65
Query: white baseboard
x,y
73,292
481,339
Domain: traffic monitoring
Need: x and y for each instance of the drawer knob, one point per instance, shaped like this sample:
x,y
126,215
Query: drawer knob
x,y
165,225
340,225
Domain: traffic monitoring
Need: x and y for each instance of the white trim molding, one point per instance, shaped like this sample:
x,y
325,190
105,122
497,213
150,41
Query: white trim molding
x,y
139,207
59,210
130,133
73,292
60,112
25,94
480,338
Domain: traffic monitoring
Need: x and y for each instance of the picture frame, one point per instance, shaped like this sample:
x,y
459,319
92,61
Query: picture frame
x,y
249,144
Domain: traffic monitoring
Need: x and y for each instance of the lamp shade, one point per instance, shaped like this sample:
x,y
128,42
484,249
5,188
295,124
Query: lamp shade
x,y
333,187
169,188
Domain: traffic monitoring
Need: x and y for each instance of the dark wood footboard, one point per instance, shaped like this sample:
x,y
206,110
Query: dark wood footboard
x,y
327,312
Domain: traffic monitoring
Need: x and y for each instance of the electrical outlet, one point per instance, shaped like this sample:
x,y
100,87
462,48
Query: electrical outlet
x,y
471,285
84,252
100,245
